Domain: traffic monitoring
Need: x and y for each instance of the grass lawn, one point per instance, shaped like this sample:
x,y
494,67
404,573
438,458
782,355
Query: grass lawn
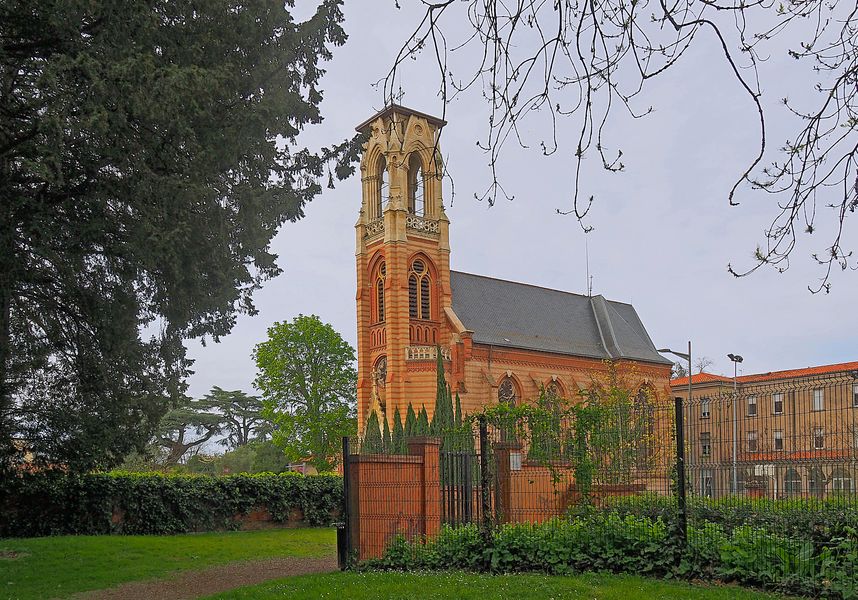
x,y
57,566
408,586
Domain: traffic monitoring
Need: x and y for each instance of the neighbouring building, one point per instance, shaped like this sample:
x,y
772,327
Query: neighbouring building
x,y
791,433
500,340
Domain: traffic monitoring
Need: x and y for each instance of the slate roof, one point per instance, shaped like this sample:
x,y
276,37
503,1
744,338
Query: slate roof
x,y
517,315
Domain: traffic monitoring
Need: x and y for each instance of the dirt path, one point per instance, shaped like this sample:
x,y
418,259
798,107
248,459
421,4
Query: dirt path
x,y
195,584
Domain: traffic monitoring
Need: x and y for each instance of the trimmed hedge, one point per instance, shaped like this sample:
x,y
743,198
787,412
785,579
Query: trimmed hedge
x,y
640,545
53,503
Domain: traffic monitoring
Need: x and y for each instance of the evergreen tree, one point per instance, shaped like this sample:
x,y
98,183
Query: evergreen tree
x,y
386,441
398,439
410,422
372,440
442,418
422,422
458,411
148,156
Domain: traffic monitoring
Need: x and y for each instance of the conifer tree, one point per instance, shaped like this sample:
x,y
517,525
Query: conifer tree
x,y
410,422
458,411
423,422
372,441
386,441
398,440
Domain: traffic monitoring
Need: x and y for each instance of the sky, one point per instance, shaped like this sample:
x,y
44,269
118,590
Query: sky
x,y
663,230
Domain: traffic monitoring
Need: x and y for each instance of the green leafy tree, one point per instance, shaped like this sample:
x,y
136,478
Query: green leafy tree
x,y
306,373
147,158
242,419
187,427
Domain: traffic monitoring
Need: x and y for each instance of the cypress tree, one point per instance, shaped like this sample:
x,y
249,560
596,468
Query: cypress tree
x,y
442,418
372,442
410,422
458,411
385,438
423,422
398,439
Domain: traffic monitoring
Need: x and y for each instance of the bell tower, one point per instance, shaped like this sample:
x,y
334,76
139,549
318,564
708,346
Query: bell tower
x,y
403,263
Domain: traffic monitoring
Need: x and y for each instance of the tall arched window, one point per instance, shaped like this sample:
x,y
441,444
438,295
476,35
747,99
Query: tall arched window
x,y
792,482
382,191
419,291
416,185
643,427
507,391
378,288
553,389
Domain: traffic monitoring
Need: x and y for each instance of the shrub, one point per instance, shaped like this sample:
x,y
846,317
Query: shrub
x,y
55,503
610,541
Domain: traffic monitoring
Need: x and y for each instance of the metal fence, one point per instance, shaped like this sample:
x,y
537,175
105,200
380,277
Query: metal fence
x,y
778,461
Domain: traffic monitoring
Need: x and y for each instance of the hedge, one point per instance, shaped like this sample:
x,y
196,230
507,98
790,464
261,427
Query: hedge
x,y
53,503
640,545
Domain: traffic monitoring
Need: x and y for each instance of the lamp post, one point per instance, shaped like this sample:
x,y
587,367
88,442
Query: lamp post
x,y
686,357
736,360
680,447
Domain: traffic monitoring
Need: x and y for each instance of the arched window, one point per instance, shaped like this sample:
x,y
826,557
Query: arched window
x,y
379,372
507,391
419,291
816,482
643,427
553,389
792,482
416,185
382,191
378,286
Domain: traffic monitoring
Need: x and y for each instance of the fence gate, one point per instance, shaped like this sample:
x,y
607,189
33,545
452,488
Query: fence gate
x,y
460,487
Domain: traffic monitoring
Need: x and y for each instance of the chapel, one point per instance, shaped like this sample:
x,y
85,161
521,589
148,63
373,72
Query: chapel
x,y
499,340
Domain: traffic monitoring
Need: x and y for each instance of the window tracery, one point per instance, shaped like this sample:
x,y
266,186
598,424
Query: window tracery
x,y
419,291
378,284
507,391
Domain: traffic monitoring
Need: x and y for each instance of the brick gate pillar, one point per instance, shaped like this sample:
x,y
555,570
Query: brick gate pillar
x,y
429,448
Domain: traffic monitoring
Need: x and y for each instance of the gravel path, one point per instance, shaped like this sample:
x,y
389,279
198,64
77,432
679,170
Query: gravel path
x,y
195,584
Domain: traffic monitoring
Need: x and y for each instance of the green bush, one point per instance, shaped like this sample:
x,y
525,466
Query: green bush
x,y
818,521
54,503
609,541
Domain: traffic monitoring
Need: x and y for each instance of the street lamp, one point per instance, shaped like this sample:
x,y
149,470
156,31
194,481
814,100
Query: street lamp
x,y
680,446
736,360
686,357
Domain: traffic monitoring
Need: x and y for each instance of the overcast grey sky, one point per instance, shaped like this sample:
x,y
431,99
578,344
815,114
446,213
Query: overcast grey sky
x,y
663,235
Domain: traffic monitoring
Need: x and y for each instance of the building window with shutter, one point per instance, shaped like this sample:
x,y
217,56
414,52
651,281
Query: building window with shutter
x,y
752,441
706,444
818,399
704,408
778,439
778,404
818,438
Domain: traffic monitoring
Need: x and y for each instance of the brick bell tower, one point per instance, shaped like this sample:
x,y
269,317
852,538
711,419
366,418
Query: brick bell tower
x,y
403,263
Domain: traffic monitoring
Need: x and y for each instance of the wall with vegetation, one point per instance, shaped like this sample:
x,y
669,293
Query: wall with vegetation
x,y
52,503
